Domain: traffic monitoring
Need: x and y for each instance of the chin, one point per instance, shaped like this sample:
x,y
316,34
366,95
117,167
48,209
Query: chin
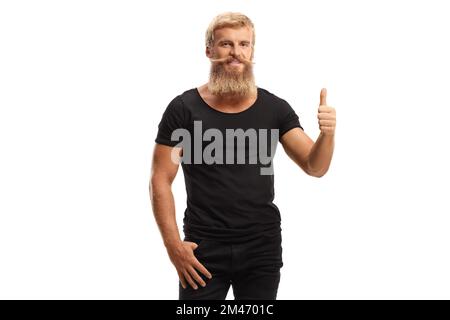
x,y
239,68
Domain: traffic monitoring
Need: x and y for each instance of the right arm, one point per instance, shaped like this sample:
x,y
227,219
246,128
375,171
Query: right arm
x,y
181,254
163,173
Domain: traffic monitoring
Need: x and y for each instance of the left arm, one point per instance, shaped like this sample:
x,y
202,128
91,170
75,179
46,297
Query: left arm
x,y
313,158
321,154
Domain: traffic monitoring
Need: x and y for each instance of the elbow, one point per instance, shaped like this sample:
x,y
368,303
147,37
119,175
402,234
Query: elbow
x,y
151,189
158,184
153,186
316,174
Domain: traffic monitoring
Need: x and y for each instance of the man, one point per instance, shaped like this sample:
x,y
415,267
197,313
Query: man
x,y
232,227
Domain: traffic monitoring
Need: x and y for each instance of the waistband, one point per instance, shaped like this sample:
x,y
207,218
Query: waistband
x,y
230,235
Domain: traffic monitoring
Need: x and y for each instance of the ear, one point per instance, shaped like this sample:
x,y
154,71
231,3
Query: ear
x,y
208,52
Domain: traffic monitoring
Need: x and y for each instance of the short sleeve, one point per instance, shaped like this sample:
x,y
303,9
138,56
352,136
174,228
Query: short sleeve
x,y
172,119
288,119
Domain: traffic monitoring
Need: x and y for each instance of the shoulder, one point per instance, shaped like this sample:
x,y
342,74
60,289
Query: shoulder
x,y
188,97
184,97
176,110
181,103
279,104
268,94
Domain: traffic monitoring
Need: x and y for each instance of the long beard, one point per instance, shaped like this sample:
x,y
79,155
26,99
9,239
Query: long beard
x,y
231,83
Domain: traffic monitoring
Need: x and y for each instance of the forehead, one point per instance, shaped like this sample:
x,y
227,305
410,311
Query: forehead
x,y
229,33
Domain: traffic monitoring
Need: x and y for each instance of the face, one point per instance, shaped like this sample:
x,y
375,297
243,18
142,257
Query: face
x,y
232,43
231,62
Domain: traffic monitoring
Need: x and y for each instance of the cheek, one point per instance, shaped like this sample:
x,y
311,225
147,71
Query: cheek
x,y
221,52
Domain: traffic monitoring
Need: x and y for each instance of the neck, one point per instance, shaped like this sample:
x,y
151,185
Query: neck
x,y
232,98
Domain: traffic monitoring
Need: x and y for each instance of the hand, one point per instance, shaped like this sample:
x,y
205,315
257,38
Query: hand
x,y
326,115
184,260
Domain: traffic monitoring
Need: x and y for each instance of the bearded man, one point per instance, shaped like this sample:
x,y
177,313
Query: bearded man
x,y
232,227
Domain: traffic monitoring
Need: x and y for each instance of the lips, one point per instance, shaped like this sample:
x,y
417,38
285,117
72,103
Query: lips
x,y
234,61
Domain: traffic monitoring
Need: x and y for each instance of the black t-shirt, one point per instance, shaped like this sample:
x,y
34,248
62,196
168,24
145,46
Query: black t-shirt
x,y
227,200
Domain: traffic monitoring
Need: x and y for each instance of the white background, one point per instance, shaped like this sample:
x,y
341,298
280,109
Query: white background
x,y
83,85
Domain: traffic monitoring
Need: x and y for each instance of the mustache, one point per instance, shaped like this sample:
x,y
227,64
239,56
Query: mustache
x,y
229,59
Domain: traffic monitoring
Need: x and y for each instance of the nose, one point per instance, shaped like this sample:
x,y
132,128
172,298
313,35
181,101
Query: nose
x,y
236,51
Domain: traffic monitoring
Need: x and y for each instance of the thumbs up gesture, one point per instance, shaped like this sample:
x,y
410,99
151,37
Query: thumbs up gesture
x,y
326,115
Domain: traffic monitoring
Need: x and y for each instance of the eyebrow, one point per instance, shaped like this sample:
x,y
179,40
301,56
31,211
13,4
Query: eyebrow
x,y
227,40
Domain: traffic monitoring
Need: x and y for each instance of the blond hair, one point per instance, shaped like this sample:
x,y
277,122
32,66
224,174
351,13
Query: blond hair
x,y
228,19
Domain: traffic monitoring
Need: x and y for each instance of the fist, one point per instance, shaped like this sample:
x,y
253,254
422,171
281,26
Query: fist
x,y
326,115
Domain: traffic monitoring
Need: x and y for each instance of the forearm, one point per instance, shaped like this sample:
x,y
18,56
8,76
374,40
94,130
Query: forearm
x,y
321,154
163,206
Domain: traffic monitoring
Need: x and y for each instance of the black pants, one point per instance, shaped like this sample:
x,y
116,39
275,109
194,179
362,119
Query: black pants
x,y
251,268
